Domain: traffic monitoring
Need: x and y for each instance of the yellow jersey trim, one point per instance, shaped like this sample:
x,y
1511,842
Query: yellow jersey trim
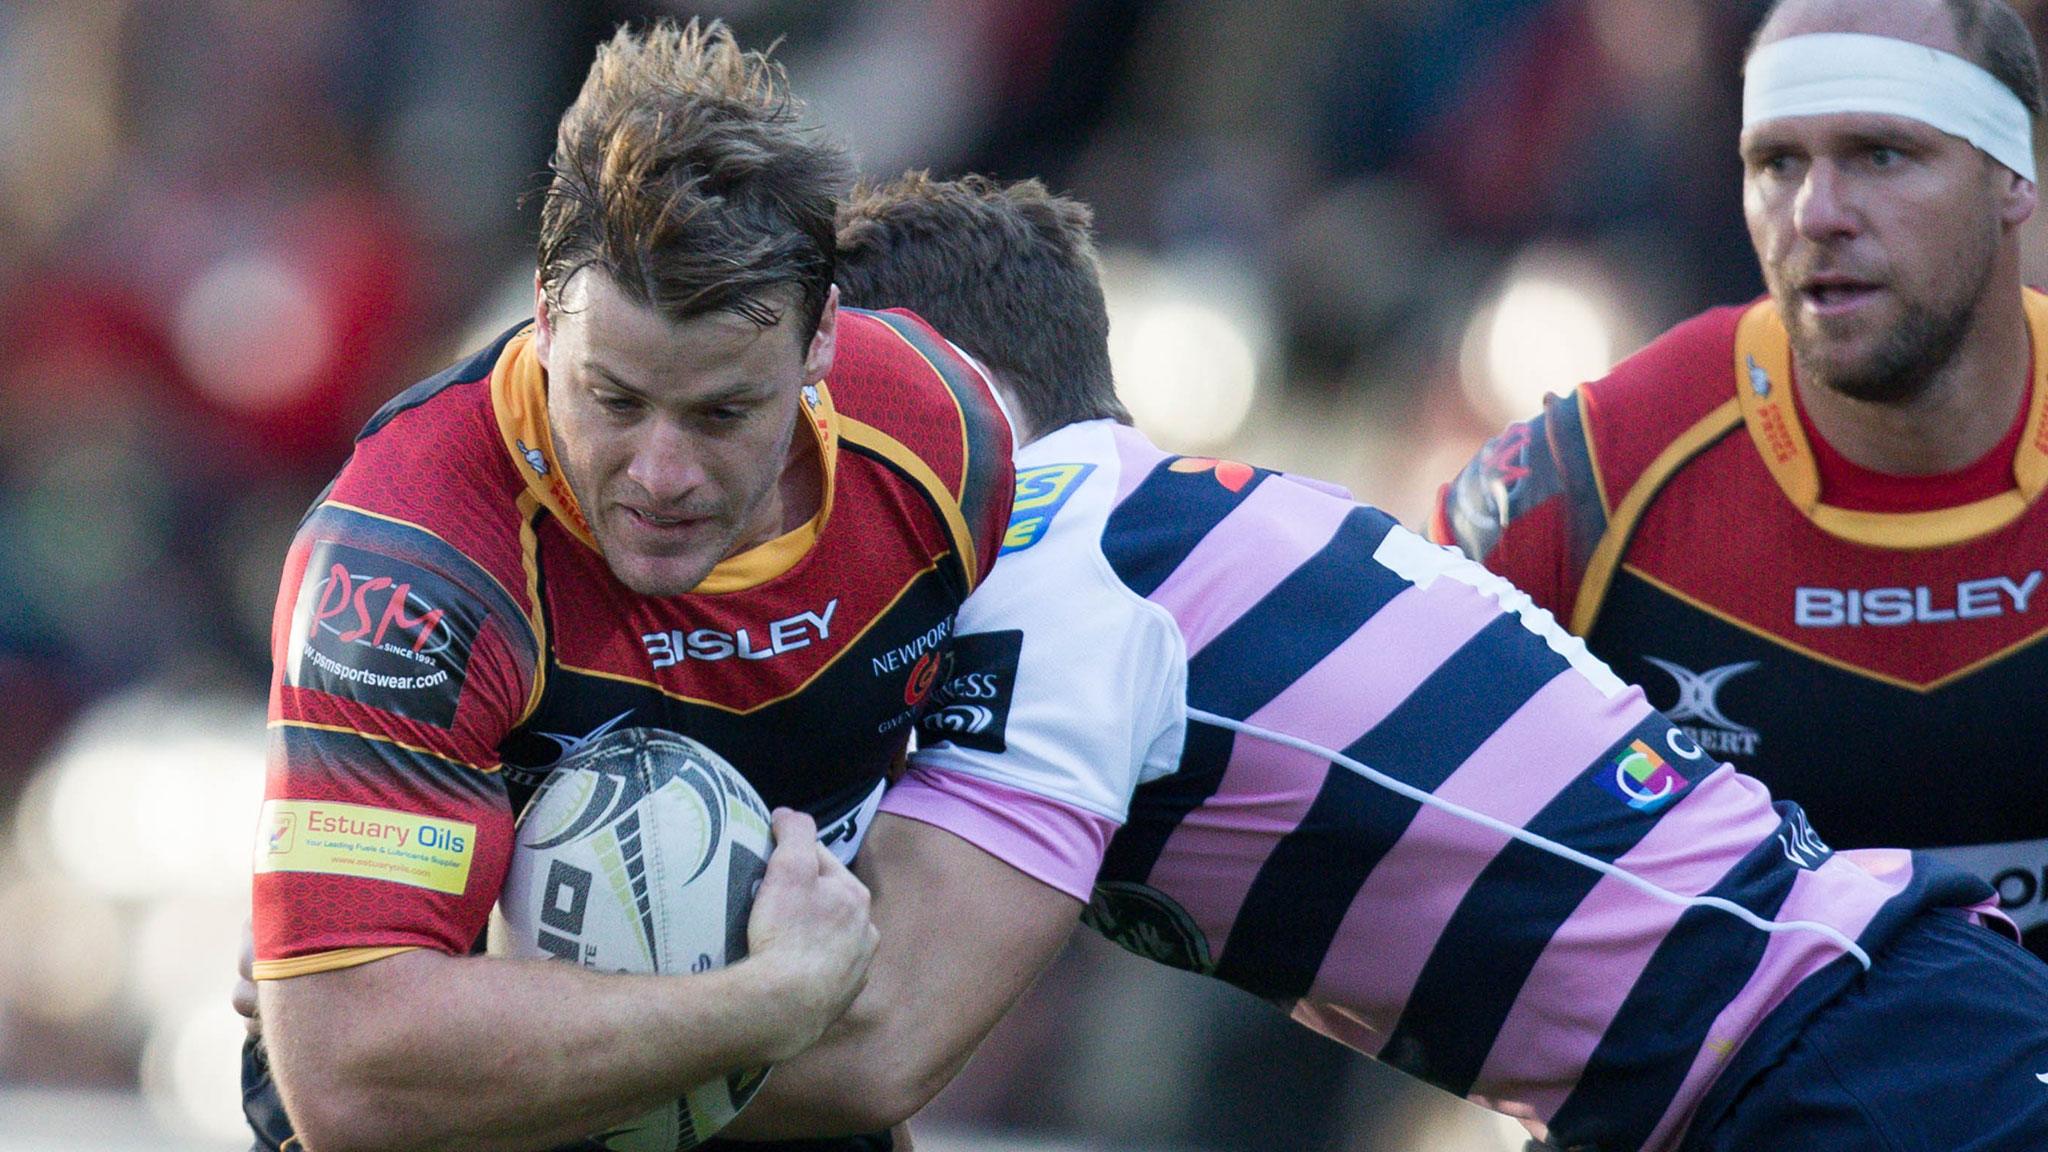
x,y
519,400
959,414
896,452
1764,384
413,748
324,962
529,559
1621,522
1585,405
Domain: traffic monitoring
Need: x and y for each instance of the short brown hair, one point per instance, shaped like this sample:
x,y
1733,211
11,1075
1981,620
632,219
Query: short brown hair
x,y
1005,271
683,173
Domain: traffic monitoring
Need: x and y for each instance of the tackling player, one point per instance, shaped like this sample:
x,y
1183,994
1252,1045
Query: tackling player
x,y
1366,779
1811,524
693,494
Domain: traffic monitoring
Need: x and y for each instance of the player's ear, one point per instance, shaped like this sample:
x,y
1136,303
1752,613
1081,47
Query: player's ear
x,y
824,342
2020,198
543,321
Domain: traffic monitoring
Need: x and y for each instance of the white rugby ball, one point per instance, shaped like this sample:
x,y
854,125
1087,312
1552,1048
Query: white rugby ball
x,y
641,853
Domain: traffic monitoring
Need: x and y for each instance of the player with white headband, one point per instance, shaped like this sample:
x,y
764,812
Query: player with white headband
x,y
1811,525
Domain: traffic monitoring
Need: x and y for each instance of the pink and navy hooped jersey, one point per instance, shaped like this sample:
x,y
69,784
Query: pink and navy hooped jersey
x,y
1361,776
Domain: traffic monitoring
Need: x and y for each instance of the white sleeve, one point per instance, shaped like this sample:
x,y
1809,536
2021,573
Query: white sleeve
x,y
1065,685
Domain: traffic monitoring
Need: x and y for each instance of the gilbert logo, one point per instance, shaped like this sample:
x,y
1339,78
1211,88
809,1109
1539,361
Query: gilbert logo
x,y
1698,709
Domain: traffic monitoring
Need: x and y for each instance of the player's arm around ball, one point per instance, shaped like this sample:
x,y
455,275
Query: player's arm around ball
x,y
425,1050
963,936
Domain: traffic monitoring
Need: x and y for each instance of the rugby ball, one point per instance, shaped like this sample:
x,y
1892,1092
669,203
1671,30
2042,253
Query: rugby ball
x,y
641,853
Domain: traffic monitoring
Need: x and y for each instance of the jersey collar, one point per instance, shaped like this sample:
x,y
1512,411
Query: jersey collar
x,y
519,396
1763,386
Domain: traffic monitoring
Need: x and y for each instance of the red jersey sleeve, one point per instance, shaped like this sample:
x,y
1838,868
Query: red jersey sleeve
x,y
399,666
1528,506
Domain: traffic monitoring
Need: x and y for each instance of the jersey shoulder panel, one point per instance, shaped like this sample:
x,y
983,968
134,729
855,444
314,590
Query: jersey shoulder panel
x,y
1550,502
434,461
1528,505
1657,395
910,399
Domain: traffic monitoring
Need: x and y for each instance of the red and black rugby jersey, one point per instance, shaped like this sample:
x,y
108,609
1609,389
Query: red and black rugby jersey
x,y
1881,668
446,627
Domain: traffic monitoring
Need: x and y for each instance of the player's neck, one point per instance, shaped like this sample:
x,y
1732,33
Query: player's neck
x,y
1962,413
801,488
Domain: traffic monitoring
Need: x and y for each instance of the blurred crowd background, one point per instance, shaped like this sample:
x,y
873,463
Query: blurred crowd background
x,y
1350,239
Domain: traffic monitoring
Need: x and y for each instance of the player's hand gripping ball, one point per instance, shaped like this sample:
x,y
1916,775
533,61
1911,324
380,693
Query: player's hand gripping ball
x,y
641,853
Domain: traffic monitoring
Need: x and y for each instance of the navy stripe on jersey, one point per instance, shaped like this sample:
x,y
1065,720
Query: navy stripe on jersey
x,y
413,545
1502,926
1295,906
1164,519
1705,961
364,765
985,426
1157,808
1568,452
474,367
1272,645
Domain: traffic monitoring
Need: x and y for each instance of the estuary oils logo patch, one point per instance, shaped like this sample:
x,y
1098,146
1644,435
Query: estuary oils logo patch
x,y
1041,492
366,843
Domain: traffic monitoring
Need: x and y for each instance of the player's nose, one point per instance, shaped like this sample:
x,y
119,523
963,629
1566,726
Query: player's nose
x,y
667,463
1825,207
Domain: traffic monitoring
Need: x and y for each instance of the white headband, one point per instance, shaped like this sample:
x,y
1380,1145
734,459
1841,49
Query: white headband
x,y
1831,72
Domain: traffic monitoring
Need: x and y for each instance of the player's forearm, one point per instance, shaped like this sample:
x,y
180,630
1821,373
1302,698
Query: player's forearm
x,y
873,1069
962,936
496,1055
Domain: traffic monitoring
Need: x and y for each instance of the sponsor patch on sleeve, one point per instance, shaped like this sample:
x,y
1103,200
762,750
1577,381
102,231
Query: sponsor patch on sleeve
x,y
1041,492
972,708
367,843
381,632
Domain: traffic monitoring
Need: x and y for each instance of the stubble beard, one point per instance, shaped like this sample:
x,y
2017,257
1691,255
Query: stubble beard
x,y
1909,358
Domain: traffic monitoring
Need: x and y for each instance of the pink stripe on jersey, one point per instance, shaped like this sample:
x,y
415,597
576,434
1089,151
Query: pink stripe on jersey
x,y
1543,748
1136,457
1223,576
1589,967
1053,843
1211,859
1840,894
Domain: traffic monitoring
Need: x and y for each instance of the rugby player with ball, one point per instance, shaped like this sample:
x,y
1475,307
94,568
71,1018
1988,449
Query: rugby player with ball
x,y
692,495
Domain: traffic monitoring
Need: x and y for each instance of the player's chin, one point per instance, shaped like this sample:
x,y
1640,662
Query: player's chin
x,y
652,574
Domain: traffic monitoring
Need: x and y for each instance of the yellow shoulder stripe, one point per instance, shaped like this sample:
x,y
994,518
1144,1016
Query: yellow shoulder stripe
x,y
896,452
324,962
1621,522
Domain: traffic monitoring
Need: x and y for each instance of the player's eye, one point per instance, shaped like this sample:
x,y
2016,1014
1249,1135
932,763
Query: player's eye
x,y
617,403
1771,163
1882,156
